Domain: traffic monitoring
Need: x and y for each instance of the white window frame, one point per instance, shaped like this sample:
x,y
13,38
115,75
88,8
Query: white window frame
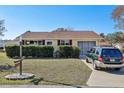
x,y
46,42
65,42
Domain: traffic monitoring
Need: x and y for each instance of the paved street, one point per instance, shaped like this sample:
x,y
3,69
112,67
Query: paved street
x,y
105,78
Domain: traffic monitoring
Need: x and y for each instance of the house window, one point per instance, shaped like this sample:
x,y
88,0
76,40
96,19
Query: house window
x,y
49,42
27,42
32,42
64,42
42,42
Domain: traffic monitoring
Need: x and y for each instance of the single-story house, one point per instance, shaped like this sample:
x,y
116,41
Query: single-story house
x,y
82,39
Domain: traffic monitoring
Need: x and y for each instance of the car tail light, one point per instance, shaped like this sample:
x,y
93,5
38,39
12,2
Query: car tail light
x,y
122,59
100,58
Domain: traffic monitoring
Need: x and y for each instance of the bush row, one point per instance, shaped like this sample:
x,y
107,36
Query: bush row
x,y
30,51
43,52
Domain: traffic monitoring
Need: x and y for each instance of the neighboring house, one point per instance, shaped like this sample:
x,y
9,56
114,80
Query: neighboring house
x,y
119,45
1,44
104,43
82,39
11,42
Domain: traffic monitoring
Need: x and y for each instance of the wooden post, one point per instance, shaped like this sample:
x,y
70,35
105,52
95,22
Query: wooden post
x,y
21,67
20,55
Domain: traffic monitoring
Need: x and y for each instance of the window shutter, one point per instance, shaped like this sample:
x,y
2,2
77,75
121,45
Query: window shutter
x,y
70,42
43,42
22,42
58,42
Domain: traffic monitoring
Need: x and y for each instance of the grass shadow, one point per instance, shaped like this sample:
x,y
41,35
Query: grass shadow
x,y
36,81
121,72
113,71
65,84
6,67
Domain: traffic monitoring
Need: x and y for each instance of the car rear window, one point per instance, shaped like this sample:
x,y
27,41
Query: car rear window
x,y
111,53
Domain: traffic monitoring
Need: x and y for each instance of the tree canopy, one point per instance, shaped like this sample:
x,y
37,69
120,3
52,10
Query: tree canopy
x,y
116,37
118,17
2,27
64,29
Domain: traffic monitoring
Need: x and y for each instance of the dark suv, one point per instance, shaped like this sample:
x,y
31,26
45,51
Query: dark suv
x,y
105,57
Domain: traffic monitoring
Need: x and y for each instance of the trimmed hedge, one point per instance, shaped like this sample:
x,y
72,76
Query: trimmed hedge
x,y
30,51
69,52
42,51
12,51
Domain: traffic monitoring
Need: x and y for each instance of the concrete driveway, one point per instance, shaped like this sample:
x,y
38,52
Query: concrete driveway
x,y
105,78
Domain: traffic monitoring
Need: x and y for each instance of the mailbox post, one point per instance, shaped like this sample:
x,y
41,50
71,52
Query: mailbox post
x,y
20,42
20,75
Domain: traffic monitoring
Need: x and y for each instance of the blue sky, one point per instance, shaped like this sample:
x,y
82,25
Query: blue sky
x,y
19,19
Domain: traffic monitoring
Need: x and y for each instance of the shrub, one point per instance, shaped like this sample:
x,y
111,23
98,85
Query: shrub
x,y
12,51
66,51
47,51
69,52
76,52
26,51
30,51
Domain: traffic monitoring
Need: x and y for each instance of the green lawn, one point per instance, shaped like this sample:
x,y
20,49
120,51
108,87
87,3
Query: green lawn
x,y
53,71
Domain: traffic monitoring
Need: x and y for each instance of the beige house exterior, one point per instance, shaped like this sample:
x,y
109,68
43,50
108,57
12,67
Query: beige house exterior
x,y
82,39
11,42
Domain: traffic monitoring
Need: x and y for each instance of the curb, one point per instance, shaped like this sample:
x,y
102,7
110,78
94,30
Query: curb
x,y
90,68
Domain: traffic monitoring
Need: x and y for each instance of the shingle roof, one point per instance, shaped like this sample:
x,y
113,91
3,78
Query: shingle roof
x,y
59,35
